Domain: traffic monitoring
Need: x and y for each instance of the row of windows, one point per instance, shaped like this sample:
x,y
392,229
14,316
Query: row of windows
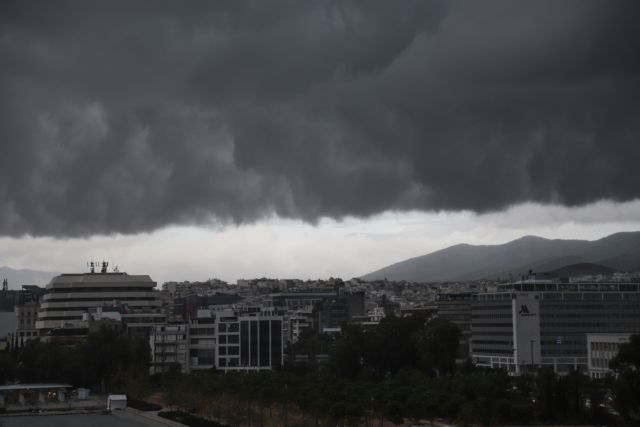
x,y
45,317
482,324
501,342
583,325
203,331
228,362
228,327
126,298
588,305
232,350
100,289
600,363
492,333
492,316
587,315
230,339
492,351
562,341
605,346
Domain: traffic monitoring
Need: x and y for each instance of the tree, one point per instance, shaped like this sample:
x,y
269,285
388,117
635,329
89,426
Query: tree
x,y
437,344
627,385
7,368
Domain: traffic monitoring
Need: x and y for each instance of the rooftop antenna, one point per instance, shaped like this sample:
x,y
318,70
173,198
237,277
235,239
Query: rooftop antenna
x,y
5,285
92,266
116,269
105,264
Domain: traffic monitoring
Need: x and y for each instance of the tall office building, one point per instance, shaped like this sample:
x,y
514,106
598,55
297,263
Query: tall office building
x,y
69,298
536,323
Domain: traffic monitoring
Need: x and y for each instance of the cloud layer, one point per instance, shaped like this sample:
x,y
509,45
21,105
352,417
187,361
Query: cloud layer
x,y
128,116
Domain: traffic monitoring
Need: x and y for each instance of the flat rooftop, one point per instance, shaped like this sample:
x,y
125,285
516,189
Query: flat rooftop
x,y
38,386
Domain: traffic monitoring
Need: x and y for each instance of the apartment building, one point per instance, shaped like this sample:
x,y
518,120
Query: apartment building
x,y
601,349
220,338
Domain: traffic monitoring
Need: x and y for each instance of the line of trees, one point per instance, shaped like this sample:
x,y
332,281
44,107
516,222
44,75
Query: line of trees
x,y
106,360
401,370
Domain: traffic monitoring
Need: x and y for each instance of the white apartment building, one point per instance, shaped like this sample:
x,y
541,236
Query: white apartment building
x,y
26,316
601,349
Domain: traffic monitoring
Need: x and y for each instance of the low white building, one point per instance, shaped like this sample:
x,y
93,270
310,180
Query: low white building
x,y
601,349
116,401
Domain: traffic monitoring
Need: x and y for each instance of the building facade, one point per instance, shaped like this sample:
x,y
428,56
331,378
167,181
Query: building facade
x,y
70,296
456,308
219,338
250,342
601,349
526,325
169,348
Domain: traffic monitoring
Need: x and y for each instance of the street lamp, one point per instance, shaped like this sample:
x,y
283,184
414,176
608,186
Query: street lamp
x,y
531,342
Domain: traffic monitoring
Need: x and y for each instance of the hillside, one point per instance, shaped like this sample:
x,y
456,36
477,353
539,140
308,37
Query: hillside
x,y
19,277
620,251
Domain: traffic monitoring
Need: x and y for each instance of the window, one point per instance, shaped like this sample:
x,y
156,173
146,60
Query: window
x,y
244,344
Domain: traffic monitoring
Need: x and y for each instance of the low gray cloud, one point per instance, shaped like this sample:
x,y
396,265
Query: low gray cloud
x,y
127,116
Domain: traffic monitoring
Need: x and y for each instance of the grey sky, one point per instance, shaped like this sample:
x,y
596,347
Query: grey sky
x,y
127,117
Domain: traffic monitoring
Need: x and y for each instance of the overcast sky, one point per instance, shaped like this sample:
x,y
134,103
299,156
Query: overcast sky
x,y
294,138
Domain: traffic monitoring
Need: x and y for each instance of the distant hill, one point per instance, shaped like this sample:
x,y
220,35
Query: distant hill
x,y
20,277
583,268
620,251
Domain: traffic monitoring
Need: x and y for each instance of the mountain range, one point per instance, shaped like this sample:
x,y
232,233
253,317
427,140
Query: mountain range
x,y
617,252
17,278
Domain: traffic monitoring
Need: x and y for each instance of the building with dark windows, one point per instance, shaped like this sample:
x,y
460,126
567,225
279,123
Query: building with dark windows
x,y
335,312
249,342
186,307
297,300
534,323
456,308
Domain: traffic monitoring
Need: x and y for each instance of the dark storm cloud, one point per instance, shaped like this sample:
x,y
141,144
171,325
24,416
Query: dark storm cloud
x,y
128,116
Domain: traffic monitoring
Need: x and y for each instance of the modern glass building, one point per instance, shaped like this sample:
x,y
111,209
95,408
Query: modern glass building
x,y
532,323
249,342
